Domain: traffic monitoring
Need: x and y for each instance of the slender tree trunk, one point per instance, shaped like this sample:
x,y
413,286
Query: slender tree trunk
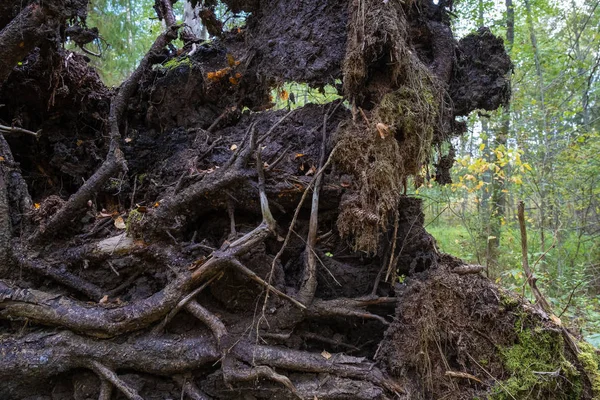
x,y
544,142
498,211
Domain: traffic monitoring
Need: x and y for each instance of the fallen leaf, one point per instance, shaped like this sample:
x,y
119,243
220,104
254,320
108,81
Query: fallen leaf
x,y
36,206
298,155
119,223
284,95
233,147
197,263
230,60
383,129
128,140
104,300
2,159
326,355
79,142
311,171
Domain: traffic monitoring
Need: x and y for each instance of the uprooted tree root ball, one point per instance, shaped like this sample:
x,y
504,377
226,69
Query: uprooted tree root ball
x,y
176,237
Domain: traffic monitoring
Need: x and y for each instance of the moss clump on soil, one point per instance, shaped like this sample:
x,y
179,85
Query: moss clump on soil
x,y
392,141
590,362
175,63
133,220
368,205
411,115
537,366
380,154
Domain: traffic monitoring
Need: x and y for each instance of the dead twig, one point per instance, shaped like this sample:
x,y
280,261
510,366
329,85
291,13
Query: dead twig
x,y
308,286
9,129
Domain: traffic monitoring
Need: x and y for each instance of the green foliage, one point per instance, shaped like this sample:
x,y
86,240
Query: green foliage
x,y
547,156
128,29
294,95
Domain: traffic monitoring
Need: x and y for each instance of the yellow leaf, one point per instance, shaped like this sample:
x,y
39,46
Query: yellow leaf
x,y
36,206
481,146
119,223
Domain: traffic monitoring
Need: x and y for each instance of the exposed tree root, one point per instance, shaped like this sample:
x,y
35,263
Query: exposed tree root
x,y
179,274
115,161
109,375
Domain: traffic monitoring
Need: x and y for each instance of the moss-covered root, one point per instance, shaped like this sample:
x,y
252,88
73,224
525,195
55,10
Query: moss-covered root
x,y
590,361
538,367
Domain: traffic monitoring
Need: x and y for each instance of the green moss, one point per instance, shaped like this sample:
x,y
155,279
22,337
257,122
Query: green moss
x,y
589,361
508,301
175,63
538,367
133,219
412,114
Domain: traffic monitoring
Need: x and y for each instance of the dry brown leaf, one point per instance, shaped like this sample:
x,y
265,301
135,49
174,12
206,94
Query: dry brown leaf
x,y
383,129
311,171
128,140
326,355
233,147
104,300
119,223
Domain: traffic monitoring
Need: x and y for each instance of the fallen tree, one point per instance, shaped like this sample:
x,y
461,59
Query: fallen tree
x,y
177,237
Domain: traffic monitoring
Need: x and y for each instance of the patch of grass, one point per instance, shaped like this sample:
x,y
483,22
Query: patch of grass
x,y
455,240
